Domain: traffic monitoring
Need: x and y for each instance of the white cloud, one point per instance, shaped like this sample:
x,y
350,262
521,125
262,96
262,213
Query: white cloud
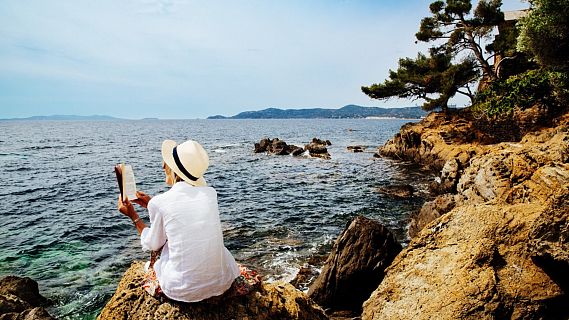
x,y
226,55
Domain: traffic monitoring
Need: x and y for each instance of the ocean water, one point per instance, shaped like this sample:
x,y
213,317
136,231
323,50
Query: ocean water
x,y
58,198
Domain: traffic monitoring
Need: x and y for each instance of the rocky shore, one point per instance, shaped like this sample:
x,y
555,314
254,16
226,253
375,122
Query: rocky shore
x,y
494,243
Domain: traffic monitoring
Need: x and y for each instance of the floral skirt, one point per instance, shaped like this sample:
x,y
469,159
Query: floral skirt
x,y
247,281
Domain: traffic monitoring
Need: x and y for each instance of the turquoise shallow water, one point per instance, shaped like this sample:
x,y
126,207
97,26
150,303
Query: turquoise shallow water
x,y
60,226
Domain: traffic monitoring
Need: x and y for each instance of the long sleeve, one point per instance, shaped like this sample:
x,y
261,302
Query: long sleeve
x,y
153,237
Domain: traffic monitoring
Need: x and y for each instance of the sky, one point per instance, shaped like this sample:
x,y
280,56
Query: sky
x,y
186,59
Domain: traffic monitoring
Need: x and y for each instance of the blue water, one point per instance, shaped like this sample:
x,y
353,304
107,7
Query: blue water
x,y
60,226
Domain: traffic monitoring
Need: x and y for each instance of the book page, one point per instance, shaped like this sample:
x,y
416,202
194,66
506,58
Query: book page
x,y
129,185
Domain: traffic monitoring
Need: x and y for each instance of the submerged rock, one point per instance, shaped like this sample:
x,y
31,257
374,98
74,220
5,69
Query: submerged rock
x,y
356,149
355,266
397,191
20,299
271,301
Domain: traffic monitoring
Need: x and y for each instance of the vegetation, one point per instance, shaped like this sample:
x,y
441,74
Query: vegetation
x,y
543,36
544,33
453,65
433,78
519,91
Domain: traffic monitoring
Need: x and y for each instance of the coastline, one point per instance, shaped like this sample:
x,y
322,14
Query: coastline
x,y
499,206
491,244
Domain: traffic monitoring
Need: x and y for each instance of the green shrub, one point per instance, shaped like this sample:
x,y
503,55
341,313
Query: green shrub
x,y
521,91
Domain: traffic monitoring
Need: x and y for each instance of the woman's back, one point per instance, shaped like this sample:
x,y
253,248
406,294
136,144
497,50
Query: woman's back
x,y
194,264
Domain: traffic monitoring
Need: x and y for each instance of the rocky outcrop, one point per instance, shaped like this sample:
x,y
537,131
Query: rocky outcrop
x,y
496,245
511,172
435,140
20,300
271,301
355,266
479,262
318,148
397,191
278,147
528,171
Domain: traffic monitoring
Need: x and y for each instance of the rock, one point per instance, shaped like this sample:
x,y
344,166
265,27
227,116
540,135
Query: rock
x,y
318,148
11,303
356,149
321,142
498,248
450,175
297,151
271,301
430,211
549,239
20,299
36,313
397,191
355,266
436,139
263,145
305,276
531,170
23,288
476,263
278,147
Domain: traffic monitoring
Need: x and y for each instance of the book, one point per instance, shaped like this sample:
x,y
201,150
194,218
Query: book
x,y
125,179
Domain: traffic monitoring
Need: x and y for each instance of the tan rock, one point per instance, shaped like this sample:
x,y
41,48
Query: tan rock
x,y
272,301
430,211
474,262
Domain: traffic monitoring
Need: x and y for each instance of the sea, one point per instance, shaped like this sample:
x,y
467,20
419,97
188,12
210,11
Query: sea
x,y
59,222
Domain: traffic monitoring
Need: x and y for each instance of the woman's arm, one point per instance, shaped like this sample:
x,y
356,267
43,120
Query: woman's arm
x,y
126,208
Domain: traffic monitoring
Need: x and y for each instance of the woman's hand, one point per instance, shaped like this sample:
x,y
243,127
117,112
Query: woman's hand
x,y
142,200
126,208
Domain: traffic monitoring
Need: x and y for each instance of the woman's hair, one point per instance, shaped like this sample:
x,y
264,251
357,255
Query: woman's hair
x,y
172,174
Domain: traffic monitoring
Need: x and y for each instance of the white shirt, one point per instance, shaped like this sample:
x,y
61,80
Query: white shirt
x,y
194,264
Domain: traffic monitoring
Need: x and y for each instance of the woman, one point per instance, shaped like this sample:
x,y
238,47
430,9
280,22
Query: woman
x,y
184,223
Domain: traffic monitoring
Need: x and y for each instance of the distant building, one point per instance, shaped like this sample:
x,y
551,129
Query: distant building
x,y
507,29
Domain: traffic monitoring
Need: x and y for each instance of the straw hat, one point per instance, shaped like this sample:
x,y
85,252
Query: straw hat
x,y
188,160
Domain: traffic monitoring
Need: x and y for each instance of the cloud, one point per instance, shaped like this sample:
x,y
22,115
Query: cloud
x,y
203,57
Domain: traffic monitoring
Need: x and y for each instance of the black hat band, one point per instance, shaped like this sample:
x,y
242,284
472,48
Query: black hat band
x,y
181,167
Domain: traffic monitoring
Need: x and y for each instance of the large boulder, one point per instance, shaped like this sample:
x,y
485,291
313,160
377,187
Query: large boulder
x,y
271,301
480,262
355,266
20,299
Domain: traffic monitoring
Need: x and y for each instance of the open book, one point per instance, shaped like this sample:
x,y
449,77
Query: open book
x,y
125,179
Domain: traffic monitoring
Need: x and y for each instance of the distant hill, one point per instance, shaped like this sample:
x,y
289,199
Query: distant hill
x,y
347,112
67,117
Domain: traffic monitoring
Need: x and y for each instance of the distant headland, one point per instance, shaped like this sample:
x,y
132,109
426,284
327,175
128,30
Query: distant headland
x,y
67,117
346,112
